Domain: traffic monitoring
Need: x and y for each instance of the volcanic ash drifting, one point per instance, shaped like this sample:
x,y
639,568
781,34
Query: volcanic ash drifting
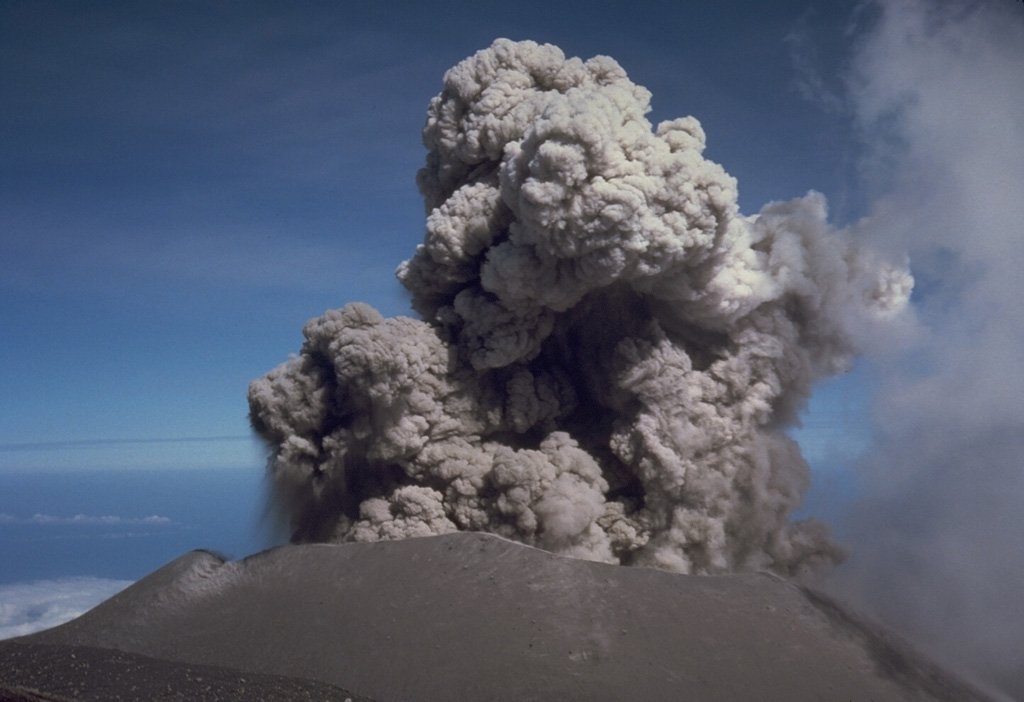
x,y
609,352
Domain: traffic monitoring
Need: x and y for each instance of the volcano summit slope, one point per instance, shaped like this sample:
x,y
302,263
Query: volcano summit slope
x,y
478,617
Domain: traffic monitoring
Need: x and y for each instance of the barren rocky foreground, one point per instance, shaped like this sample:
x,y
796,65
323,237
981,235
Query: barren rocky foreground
x,y
462,617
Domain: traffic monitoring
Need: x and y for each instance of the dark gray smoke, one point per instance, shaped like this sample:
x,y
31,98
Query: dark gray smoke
x,y
609,351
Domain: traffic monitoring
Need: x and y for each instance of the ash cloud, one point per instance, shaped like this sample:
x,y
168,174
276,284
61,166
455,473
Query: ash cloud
x,y
608,353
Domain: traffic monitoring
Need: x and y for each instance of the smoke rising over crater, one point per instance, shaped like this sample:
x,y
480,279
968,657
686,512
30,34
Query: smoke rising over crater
x,y
609,351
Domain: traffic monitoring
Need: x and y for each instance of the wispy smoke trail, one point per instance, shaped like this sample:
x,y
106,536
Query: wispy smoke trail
x,y
936,540
608,352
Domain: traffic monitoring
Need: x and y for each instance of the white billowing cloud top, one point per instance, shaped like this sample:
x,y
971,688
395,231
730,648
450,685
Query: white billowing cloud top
x,y
608,352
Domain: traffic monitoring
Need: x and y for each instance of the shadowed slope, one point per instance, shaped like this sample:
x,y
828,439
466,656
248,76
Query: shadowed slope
x,y
58,673
472,616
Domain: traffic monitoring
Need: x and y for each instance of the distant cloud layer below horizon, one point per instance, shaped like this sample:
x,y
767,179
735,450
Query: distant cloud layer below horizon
x,y
86,520
26,608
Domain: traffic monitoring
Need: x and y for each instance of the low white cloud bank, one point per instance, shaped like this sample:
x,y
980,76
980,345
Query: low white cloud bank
x,y
29,607
936,547
86,520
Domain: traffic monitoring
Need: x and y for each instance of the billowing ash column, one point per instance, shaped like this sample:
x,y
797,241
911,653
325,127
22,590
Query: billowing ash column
x,y
609,351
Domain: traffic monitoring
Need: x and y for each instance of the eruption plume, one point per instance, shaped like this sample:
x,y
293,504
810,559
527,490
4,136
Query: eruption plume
x,y
609,352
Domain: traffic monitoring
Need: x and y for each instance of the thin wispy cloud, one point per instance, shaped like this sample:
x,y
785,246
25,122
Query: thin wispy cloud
x,y
811,80
86,520
97,443
239,132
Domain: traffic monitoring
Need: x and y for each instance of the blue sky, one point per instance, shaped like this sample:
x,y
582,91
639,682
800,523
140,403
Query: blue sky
x,y
184,184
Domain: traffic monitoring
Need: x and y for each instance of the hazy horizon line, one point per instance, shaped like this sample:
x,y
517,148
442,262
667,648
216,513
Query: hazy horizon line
x,y
86,443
